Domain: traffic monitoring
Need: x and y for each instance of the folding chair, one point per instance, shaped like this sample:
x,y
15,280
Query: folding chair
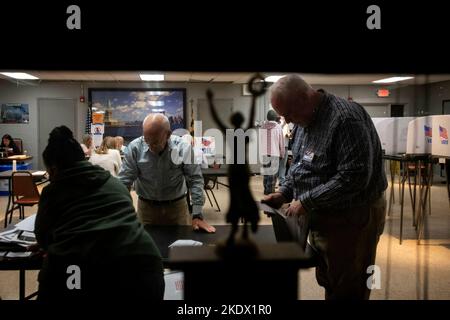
x,y
24,193
209,185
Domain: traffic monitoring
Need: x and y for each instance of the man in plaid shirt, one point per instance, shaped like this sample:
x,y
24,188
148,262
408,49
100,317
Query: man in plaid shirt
x,y
337,180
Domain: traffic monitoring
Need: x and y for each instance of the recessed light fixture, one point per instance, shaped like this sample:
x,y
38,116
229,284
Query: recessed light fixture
x,y
151,77
273,78
19,75
392,79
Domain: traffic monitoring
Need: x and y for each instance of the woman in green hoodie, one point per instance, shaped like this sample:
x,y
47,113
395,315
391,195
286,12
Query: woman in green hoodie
x,y
94,246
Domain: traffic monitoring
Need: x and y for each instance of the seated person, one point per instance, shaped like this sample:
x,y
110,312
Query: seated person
x,y
87,145
107,156
86,219
120,146
9,146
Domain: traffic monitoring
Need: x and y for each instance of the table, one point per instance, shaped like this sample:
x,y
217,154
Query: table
x,y
166,235
163,237
424,188
34,262
10,161
240,275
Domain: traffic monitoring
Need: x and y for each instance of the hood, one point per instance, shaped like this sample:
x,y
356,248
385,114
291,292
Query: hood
x,y
84,175
269,125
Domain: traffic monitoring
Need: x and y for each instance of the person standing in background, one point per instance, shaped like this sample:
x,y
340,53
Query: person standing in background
x,y
107,156
87,145
283,161
272,150
119,144
162,184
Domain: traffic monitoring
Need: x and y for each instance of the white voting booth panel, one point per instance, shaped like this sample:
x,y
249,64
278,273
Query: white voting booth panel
x,y
420,136
393,133
429,135
174,285
441,128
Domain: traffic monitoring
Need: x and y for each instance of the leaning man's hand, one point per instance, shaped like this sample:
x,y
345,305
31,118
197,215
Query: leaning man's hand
x,y
296,209
199,224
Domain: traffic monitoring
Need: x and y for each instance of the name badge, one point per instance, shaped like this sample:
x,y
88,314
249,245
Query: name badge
x,y
308,157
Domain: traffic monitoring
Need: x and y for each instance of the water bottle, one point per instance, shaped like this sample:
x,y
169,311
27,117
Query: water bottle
x,y
14,165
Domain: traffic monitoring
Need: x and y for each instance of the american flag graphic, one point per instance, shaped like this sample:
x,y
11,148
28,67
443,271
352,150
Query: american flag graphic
x,y
443,134
88,121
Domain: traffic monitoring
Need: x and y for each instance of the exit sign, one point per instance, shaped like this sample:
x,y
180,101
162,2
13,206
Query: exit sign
x,y
383,93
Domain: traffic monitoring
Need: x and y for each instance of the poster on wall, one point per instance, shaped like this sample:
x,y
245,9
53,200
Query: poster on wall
x,y
124,109
14,113
98,129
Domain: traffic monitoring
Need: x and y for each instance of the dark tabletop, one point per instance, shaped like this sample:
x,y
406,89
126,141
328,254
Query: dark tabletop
x,y
166,235
163,237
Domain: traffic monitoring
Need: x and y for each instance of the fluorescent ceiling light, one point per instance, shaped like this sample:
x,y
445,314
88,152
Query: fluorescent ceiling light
x,y
20,75
273,78
151,77
392,79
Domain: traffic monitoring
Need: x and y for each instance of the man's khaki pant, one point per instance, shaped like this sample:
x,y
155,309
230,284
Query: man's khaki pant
x,y
175,213
347,243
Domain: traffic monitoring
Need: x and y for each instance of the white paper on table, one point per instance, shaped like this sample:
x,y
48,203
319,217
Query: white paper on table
x,y
18,254
185,243
39,173
27,224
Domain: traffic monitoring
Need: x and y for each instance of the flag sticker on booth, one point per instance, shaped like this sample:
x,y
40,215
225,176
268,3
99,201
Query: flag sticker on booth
x,y
443,135
428,133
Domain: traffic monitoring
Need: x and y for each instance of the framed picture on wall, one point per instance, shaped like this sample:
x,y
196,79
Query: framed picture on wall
x,y
124,109
14,113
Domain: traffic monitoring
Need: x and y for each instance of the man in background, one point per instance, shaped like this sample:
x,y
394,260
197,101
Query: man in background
x,y
161,184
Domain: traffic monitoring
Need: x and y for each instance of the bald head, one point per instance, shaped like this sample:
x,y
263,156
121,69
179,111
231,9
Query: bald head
x,y
294,99
156,130
156,120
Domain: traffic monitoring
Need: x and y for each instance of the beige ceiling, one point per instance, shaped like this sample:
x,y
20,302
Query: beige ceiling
x,y
230,77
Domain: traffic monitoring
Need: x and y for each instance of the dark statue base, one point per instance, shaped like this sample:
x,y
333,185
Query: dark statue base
x,y
218,273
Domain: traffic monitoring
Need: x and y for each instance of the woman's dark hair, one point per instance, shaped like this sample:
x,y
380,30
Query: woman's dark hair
x,y
11,141
12,144
62,150
272,115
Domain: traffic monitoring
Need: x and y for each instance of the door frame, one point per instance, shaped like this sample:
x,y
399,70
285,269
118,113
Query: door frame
x,y
75,117
443,103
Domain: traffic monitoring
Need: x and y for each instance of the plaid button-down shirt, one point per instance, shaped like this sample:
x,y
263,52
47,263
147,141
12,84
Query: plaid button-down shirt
x,y
337,159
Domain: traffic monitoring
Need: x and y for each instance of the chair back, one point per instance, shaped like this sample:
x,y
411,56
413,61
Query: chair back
x,y
19,144
23,185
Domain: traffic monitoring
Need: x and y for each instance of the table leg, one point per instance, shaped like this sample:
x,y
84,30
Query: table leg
x,y
21,284
9,202
401,205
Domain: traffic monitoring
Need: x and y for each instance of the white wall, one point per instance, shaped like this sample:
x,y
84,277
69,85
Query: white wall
x,y
11,93
436,93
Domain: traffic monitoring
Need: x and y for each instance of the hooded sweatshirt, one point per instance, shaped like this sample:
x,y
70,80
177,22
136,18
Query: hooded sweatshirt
x,y
271,139
87,213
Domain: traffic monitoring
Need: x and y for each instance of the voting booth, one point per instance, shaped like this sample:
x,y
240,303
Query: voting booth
x,y
174,285
429,135
420,136
440,129
393,133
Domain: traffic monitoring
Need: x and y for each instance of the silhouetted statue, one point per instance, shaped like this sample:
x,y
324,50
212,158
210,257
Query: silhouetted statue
x,y
242,205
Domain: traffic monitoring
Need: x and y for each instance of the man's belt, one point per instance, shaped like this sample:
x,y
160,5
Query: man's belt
x,y
161,202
